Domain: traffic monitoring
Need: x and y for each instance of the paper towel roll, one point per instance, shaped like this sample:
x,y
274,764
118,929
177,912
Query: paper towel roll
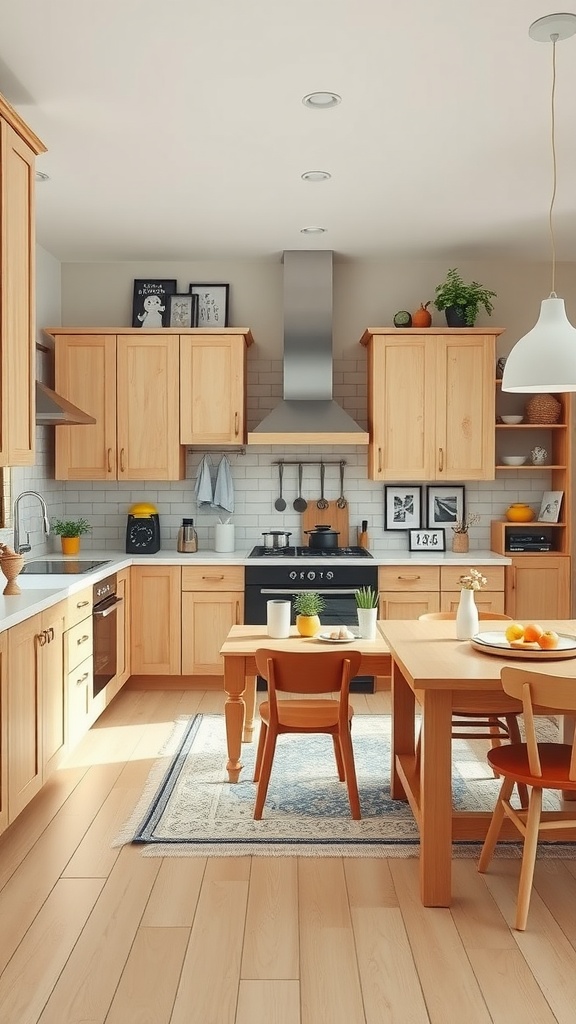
x,y
278,619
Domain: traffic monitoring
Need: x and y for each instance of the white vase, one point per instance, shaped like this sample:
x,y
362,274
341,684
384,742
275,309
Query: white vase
x,y
367,622
466,616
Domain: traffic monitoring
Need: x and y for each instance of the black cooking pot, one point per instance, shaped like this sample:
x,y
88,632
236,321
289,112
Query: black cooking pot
x,y
276,538
322,537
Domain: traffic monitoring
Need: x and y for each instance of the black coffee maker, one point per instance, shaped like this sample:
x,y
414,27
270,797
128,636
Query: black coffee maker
x,y
143,530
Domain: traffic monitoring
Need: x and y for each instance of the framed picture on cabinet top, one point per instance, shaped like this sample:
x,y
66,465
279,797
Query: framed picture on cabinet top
x,y
402,507
150,305
212,304
427,540
445,505
550,507
183,310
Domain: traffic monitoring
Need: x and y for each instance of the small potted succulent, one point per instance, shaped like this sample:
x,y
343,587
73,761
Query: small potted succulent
x,y
308,606
461,302
70,531
367,608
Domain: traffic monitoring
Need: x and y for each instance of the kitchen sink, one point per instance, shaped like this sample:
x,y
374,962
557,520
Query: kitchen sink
x,y
49,573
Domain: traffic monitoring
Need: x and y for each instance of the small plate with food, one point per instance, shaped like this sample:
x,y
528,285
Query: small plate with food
x,y
531,641
338,635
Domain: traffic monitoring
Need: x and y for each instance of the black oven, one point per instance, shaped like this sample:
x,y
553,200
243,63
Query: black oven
x,y
105,622
336,581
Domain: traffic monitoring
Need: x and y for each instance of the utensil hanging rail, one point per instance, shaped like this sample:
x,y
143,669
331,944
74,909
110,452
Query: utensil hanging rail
x,y
311,462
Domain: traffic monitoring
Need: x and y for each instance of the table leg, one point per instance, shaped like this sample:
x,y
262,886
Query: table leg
x,y
234,711
402,727
567,724
436,799
250,702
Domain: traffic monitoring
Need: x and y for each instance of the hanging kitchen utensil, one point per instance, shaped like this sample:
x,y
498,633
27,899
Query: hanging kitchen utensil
x,y
322,503
342,503
280,504
300,505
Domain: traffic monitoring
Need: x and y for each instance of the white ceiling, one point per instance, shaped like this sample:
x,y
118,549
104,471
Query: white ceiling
x,y
176,130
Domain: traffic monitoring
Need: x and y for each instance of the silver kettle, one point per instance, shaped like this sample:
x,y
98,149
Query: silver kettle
x,y
187,537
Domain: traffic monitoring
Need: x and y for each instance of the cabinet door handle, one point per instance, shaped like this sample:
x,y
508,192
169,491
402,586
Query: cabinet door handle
x,y
82,604
82,640
121,460
109,460
82,679
50,634
440,460
236,424
42,638
212,579
379,460
408,577
237,613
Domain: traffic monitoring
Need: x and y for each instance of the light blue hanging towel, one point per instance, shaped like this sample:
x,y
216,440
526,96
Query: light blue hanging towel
x,y
203,487
224,487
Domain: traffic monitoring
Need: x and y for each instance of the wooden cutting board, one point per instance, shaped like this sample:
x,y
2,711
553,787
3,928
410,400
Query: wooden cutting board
x,y
336,518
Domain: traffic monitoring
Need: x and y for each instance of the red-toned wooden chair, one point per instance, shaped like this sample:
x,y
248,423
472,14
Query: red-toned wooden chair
x,y
297,672
535,764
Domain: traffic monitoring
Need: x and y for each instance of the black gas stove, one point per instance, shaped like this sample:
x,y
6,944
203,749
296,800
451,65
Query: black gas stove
x,y
306,552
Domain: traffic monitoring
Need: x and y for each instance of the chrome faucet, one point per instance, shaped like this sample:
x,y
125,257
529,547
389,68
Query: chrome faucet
x,y
18,547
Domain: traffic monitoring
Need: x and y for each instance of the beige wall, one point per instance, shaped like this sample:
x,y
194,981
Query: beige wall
x,y
367,293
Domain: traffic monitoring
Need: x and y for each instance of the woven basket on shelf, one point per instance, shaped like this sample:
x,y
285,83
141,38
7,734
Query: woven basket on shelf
x,y
543,409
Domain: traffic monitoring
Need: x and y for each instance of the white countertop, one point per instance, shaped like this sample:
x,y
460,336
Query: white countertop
x,y
36,598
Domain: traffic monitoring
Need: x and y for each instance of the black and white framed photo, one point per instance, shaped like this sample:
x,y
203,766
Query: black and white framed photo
x,y
150,306
183,310
550,507
445,505
402,507
427,540
212,304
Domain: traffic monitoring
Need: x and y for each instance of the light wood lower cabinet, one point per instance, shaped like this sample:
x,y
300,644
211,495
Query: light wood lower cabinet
x,y
36,707
406,592
156,620
3,731
410,605
212,602
538,587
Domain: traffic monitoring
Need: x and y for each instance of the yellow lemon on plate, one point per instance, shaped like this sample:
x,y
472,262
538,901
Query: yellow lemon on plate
x,y
514,632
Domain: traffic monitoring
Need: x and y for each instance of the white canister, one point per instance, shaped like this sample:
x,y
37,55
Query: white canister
x,y
224,537
278,619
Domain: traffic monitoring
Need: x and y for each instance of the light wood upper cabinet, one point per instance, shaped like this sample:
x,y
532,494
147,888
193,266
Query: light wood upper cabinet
x,y
18,148
129,383
431,403
213,388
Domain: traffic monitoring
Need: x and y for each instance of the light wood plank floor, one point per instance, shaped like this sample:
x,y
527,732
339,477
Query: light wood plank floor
x,y
91,934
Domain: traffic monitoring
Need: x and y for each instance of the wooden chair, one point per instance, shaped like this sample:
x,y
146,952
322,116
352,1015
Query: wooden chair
x,y
537,765
329,672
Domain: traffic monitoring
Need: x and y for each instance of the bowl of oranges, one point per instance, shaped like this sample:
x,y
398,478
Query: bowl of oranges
x,y
531,637
526,641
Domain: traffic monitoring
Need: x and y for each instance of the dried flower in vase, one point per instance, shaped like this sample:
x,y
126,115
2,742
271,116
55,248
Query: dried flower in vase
x,y
474,580
464,524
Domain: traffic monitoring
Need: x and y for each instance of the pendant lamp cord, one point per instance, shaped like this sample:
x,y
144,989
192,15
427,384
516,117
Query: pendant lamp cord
x,y
554,39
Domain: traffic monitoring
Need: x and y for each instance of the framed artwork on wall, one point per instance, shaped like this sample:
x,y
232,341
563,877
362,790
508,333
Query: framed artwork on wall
x,y
212,304
427,540
445,505
150,306
183,310
550,507
402,507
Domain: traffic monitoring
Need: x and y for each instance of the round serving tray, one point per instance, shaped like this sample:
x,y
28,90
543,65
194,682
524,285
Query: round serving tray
x,y
496,643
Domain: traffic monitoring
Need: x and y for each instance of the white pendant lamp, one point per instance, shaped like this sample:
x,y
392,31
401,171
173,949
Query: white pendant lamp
x,y
544,360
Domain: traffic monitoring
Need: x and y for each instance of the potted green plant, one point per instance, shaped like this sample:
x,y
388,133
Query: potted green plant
x,y
308,606
461,302
367,609
70,531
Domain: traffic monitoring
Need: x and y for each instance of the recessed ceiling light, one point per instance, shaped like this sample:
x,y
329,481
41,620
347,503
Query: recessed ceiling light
x,y
321,100
316,176
312,231
41,176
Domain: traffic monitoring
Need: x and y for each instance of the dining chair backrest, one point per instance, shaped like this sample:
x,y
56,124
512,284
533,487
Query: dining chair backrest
x,y
539,690
301,672
430,616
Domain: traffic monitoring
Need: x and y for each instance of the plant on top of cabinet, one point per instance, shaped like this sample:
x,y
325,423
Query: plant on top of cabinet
x,y
461,301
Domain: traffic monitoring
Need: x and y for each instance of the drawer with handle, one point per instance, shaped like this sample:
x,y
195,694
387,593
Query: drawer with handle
x,y
78,607
398,578
207,578
450,575
78,644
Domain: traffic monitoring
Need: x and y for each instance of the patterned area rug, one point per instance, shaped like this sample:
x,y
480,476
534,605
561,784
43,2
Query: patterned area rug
x,y
190,809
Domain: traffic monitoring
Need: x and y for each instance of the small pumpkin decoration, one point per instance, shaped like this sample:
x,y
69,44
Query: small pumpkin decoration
x,y
422,317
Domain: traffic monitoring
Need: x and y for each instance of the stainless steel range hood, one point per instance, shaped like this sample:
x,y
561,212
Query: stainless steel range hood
x,y
308,414
52,409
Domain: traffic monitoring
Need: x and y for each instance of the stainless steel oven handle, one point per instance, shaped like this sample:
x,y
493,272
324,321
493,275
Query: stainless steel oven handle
x,y
109,609
299,590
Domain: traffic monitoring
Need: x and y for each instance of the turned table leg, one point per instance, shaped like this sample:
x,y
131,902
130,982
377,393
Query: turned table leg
x,y
234,711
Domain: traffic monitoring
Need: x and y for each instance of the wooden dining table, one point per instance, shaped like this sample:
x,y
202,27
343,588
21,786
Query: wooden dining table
x,y
435,672
238,653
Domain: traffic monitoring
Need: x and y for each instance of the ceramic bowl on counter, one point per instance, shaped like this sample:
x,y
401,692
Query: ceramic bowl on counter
x,y
511,419
514,460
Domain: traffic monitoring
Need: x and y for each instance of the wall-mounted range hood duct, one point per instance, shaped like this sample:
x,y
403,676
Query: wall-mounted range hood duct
x,y
52,409
308,414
